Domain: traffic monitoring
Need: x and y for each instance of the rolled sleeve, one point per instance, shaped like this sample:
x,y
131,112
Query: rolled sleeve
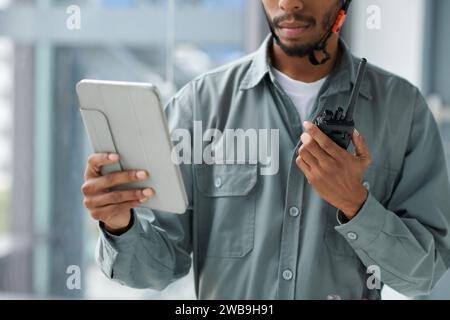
x,y
109,246
366,226
124,239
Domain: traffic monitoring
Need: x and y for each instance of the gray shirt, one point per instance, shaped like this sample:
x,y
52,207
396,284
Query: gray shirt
x,y
251,235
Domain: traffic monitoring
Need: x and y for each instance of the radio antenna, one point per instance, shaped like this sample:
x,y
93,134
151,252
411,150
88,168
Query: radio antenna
x,y
356,89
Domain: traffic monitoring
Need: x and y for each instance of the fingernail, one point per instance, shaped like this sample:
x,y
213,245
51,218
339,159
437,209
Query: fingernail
x,y
113,157
148,192
141,175
306,138
357,133
307,125
143,200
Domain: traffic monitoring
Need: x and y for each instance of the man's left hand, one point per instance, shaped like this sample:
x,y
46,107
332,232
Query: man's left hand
x,y
334,173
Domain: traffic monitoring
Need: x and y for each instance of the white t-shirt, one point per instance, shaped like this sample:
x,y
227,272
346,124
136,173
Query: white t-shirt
x,y
302,94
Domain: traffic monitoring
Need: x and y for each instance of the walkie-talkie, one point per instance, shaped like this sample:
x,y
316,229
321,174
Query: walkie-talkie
x,y
336,126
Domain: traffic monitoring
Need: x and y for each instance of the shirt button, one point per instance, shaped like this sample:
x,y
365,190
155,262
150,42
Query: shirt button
x,y
366,185
352,236
287,274
333,297
218,182
294,212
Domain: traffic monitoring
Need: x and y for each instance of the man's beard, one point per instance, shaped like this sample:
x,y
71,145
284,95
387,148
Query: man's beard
x,y
304,49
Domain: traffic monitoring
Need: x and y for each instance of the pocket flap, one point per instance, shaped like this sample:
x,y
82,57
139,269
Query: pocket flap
x,y
226,180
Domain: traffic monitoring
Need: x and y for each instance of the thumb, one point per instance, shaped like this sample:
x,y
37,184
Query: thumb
x,y
361,148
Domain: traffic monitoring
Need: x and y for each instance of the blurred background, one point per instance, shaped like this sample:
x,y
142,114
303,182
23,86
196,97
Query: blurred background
x,y
47,46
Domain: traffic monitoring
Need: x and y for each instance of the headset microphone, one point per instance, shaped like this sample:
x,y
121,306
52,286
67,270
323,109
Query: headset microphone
x,y
322,45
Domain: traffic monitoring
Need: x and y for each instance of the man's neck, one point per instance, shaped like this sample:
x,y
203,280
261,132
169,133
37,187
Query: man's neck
x,y
300,68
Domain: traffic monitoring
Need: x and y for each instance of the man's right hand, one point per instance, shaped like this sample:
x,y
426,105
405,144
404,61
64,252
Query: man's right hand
x,y
113,208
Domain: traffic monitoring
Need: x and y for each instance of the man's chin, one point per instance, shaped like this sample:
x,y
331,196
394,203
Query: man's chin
x,y
295,49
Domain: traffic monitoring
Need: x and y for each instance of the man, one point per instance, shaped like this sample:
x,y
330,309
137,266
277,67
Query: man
x,y
330,222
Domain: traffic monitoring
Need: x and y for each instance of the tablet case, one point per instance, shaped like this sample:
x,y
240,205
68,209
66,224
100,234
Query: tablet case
x,y
127,118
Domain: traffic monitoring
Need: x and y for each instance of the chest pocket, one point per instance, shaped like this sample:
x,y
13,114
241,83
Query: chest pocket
x,y
380,182
225,205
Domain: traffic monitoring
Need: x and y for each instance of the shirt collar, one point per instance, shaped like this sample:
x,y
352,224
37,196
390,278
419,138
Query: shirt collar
x,y
341,79
259,67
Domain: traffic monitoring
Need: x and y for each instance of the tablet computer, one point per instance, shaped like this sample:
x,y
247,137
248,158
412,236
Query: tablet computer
x,y
128,119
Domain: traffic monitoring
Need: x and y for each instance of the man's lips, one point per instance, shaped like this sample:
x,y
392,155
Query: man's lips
x,y
292,30
292,25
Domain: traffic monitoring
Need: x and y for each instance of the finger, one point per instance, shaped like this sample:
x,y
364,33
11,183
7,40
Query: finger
x,y
308,158
302,164
328,145
313,147
97,161
362,151
306,169
107,212
118,197
115,179
101,184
